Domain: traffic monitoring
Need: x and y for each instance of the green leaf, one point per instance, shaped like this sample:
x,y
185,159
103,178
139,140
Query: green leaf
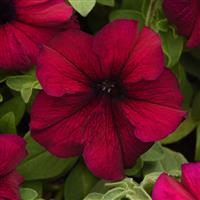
x,y
125,189
7,123
114,193
171,161
185,85
26,94
4,74
28,194
185,128
23,84
79,183
106,2
21,81
83,6
191,65
149,181
1,98
40,164
197,149
94,196
15,105
161,25
135,169
125,14
196,107
131,4
144,7
155,153
172,47
35,185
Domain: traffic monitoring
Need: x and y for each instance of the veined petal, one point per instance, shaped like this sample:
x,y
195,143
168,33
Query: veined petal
x,y
163,91
9,186
12,152
182,14
102,153
191,178
16,48
77,49
148,100
131,146
59,123
167,188
152,121
44,12
146,61
58,76
194,39
114,43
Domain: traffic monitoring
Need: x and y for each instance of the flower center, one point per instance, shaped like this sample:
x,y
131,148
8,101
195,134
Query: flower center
x,y
109,87
7,11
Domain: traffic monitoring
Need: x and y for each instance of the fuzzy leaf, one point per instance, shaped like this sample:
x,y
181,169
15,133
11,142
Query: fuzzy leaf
x,y
171,161
155,153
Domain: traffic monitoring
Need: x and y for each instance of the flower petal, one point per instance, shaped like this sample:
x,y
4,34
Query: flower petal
x,y
194,39
131,146
102,153
58,75
79,53
114,43
147,103
163,91
150,122
9,186
167,188
12,152
191,178
182,14
46,13
146,61
59,123
16,49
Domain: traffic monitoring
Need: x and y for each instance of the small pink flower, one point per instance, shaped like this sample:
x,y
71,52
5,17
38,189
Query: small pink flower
x,y
107,97
185,14
168,188
26,23
12,152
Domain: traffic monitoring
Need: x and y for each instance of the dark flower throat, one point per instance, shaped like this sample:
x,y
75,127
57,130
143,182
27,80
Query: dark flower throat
x,y
110,87
7,11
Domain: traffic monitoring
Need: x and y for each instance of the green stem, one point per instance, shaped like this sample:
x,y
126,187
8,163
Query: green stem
x,y
149,12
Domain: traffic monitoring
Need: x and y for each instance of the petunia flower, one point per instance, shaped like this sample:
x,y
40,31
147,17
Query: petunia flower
x,y
169,188
26,23
12,152
185,14
107,97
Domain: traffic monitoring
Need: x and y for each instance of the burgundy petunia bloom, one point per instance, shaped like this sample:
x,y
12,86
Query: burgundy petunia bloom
x,y
185,14
169,188
26,23
107,97
12,152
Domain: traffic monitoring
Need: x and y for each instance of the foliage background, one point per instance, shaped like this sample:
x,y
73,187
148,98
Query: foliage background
x,y
48,177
